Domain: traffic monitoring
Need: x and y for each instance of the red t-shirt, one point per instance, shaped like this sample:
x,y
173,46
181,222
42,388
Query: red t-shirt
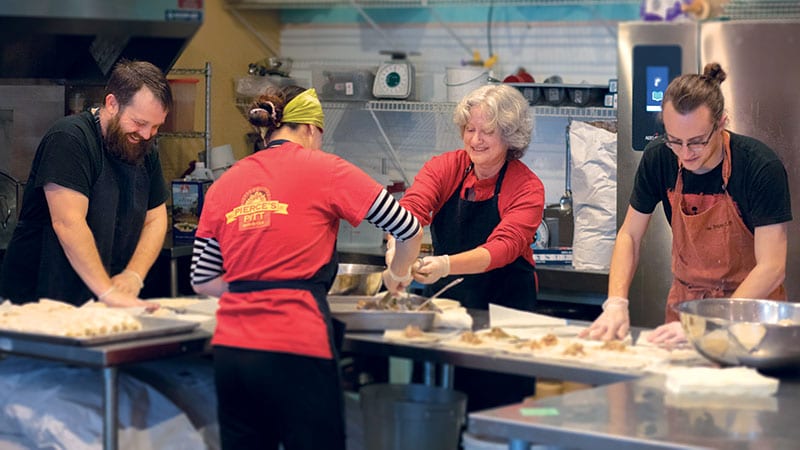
x,y
521,202
276,215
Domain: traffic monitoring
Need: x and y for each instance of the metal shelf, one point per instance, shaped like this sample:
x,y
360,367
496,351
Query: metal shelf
x,y
593,113
762,9
206,133
181,134
317,4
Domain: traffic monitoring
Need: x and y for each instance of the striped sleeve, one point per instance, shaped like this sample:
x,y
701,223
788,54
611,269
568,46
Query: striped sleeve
x,y
206,260
387,214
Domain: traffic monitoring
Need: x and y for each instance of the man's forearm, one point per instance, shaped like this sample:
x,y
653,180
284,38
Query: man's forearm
x,y
151,241
624,260
78,243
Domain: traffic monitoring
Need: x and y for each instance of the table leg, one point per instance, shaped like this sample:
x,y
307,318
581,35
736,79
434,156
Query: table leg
x,y
429,373
518,444
446,377
173,277
110,408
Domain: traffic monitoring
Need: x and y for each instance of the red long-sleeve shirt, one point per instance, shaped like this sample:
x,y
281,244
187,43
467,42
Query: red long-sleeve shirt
x,y
520,202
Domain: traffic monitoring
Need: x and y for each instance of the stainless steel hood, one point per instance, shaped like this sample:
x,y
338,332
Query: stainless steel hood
x,y
82,39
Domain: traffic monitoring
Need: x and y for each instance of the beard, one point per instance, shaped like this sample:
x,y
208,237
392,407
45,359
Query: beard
x,y
118,144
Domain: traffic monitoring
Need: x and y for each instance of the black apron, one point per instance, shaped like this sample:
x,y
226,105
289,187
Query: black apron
x,y
462,225
117,208
318,285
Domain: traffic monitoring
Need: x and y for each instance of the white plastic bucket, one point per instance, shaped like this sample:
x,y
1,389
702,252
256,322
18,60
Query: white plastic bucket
x,y
462,80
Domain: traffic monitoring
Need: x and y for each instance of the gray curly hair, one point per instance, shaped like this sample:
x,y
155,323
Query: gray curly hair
x,y
507,110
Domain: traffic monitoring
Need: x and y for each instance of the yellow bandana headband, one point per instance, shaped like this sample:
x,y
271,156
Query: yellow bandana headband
x,y
305,108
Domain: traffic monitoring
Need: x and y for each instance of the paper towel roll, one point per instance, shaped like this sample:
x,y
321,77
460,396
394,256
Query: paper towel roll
x,y
220,159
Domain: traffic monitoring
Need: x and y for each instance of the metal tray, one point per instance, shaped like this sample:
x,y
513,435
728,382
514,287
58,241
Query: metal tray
x,y
344,308
151,327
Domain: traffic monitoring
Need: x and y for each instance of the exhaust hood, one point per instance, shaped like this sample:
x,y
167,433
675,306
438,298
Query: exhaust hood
x,y
81,40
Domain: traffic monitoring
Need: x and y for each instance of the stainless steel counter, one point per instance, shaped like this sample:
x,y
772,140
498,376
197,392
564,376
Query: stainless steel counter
x,y
630,410
374,344
108,358
639,414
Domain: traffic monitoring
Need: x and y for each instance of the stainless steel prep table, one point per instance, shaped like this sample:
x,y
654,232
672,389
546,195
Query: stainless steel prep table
x,y
108,358
639,414
374,344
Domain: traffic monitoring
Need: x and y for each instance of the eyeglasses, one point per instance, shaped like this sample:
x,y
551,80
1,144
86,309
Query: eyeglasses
x,y
693,146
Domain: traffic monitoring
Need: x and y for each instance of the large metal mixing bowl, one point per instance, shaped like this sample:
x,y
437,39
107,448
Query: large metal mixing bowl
x,y
357,279
763,334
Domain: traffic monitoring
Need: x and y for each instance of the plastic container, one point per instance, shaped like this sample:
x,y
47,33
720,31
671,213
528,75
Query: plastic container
x,y
412,417
181,117
460,81
343,83
200,172
221,159
553,95
530,91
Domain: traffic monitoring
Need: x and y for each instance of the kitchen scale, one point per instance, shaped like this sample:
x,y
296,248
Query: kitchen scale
x,y
542,237
394,78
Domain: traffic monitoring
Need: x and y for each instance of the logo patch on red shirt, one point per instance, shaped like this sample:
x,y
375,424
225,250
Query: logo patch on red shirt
x,y
256,209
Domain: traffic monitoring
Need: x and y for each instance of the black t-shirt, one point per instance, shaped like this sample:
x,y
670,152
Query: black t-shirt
x,y
758,184
71,155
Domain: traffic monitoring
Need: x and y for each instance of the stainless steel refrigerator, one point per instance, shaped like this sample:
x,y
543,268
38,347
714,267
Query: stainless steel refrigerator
x,y
762,60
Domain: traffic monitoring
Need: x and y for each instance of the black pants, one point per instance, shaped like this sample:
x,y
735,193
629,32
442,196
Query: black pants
x,y
268,398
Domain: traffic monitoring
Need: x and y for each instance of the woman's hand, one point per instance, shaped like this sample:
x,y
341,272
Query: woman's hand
x,y
432,269
668,334
396,284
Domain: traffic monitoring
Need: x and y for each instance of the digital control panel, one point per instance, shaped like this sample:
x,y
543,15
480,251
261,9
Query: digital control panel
x,y
654,66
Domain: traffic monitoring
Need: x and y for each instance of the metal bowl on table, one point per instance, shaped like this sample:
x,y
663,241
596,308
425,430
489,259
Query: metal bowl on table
x,y
357,279
762,334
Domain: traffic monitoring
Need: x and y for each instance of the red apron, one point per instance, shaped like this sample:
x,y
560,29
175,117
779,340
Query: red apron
x,y
712,249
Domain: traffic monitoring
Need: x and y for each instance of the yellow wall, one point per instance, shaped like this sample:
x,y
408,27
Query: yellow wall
x,y
223,41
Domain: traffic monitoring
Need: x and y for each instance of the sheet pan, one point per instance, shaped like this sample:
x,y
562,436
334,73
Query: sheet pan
x,y
151,327
344,308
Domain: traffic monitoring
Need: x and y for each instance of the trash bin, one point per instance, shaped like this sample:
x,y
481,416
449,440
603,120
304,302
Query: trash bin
x,y
412,417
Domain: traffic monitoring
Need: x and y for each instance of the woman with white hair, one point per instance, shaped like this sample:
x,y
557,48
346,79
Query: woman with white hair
x,y
483,206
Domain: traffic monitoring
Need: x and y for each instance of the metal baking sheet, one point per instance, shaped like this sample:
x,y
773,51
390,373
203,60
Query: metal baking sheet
x,y
344,309
151,327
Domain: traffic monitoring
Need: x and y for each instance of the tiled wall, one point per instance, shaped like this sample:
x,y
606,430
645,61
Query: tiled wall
x,y
576,51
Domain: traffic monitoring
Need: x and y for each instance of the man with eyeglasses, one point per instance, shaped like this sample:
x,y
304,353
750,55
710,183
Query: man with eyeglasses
x,y
726,197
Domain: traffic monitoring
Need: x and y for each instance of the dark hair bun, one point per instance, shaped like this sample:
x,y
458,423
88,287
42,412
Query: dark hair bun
x,y
713,71
265,113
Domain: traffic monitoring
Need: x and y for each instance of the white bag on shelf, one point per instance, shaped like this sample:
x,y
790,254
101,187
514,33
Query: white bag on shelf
x,y
593,152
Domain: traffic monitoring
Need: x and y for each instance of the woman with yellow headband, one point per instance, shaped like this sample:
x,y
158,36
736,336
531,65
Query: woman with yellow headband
x,y
265,245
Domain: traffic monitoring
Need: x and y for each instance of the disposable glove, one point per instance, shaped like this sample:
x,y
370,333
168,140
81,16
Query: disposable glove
x,y
128,282
432,269
668,334
613,323
396,284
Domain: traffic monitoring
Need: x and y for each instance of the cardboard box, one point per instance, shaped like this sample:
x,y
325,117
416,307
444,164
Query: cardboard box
x,y
187,204
555,256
